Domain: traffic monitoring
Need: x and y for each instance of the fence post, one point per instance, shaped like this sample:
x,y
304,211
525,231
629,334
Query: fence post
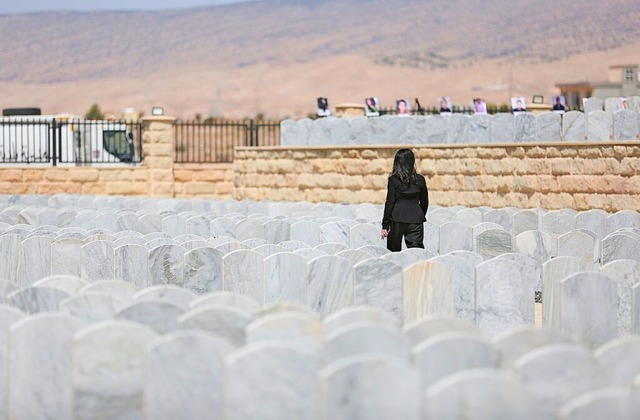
x,y
158,143
54,142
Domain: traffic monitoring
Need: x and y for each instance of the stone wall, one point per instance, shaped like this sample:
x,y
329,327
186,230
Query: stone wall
x,y
553,175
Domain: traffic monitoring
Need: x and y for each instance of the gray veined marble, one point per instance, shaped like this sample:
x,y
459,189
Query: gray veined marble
x,y
378,283
379,387
625,274
66,256
612,402
504,298
40,360
593,220
625,125
503,128
8,316
620,246
525,220
448,353
555,374
131,264
222,320
118,288
427,289
34,299
107,370
364,338
458,128
67,283
517,342
620,357
549,127
250,228
589,308
329,284
480,394
553,272
202,270
285,277
599,126
166,264
622,219
182,387
235,300
455,236
243,272
294,327
463,285
579,245
92,307
198,225
34,260
222,226
574,126
332,248
525,130
359,315
277,231
593,104
493,242
162,316
470,216
173,225
364,234
265,371
97,261
479,130
354,255
336,232
558,222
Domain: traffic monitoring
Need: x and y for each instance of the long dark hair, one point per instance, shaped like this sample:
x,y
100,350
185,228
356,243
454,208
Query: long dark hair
x,y
404,166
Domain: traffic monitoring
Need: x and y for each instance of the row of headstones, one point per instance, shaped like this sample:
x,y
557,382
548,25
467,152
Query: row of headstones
x,y
497,294
572,126
353,233
62,210
172,205
229,358
118,213
35,252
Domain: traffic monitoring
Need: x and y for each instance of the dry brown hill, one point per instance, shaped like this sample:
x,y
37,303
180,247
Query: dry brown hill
x,y
275,56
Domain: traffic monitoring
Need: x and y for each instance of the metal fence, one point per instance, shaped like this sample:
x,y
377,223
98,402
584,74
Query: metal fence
x,y
36,139
213,141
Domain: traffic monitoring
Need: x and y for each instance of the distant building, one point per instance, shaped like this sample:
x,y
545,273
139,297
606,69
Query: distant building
x,y
623,82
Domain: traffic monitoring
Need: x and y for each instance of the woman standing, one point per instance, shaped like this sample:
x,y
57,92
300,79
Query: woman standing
x,y
406,204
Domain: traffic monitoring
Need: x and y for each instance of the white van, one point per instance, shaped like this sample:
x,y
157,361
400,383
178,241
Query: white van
x,y
71,140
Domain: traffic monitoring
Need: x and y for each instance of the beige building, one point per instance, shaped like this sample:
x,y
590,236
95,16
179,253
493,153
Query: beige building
x,y
623,82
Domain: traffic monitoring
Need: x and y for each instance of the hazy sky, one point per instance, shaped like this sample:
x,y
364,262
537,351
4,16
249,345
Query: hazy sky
x,y
27,6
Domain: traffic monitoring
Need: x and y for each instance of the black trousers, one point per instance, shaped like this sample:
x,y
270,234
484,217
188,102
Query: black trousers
x,y
413,236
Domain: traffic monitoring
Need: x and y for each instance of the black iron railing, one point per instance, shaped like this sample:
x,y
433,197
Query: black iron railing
x,y
42,139
213,141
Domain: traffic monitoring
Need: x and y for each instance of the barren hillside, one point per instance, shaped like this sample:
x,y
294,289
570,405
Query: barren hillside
x,y
272,56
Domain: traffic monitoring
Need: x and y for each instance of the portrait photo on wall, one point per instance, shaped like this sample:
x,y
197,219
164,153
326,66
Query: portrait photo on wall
x,y
559,104
623,103
445,105
479,106
371,108
402,108
323,107
518,104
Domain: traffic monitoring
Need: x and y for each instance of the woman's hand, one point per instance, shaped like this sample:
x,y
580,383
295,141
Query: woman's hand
x,y
384,233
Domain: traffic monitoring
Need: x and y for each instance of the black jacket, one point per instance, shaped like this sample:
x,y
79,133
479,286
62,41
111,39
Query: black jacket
x,y
405,203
